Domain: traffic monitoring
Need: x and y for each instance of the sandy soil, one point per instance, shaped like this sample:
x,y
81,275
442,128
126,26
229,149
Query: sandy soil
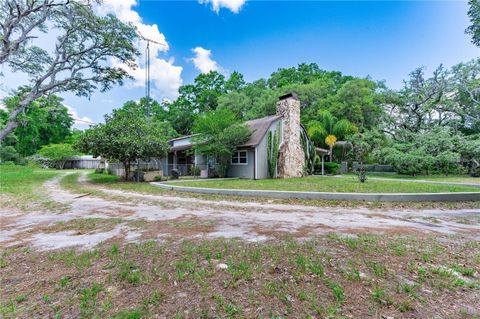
x,y
142,216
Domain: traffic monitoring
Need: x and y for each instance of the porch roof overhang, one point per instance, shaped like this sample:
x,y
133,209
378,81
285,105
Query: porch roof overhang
x,y
322,151
181,148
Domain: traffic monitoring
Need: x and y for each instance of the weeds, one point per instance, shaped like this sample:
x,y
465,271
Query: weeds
x,y
89,300
71,258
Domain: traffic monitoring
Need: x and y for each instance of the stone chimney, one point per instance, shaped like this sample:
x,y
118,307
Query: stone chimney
x,y
291,159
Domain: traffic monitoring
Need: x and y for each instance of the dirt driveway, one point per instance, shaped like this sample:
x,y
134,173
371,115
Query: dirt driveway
x,y
85,221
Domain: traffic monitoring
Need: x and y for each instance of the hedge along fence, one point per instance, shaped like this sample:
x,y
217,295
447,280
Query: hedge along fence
x,y
117,168
374,168
368,197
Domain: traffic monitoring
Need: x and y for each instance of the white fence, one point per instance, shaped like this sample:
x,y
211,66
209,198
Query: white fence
x,y
82,162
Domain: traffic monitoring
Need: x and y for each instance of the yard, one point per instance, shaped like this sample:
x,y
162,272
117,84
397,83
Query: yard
x,y
85,245
454,178
331,184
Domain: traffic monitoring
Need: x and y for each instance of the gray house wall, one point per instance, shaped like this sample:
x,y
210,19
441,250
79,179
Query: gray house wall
x,y
243,171
262,147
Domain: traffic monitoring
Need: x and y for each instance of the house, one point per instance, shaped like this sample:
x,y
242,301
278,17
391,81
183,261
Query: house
x,y
250,159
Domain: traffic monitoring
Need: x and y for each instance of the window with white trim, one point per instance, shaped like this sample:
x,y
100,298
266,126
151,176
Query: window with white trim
x,y
239,158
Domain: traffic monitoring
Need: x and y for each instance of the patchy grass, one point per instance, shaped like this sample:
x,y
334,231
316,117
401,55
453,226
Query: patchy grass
x,y
327,276
20,186
330,184
84,225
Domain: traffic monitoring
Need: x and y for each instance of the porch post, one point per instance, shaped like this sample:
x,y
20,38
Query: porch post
x,y
323,161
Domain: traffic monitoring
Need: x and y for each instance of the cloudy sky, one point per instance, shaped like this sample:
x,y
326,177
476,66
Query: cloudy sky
x,y
383,40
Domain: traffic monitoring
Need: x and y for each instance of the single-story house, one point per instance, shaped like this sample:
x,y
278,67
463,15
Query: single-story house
x,y
250,159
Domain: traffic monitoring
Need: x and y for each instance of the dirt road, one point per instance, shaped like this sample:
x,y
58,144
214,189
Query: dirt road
x,y
85,221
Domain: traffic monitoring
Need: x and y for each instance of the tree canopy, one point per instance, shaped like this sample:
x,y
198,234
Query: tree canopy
x,y
46,121
474,28
59,153
127,135
78,61
219,133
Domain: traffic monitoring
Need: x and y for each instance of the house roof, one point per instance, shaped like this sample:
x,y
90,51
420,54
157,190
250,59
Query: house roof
x,y
182,137
259,128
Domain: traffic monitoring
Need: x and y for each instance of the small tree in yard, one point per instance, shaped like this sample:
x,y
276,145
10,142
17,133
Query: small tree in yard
x,y
125,137
220,132
328,129
360,150
59,153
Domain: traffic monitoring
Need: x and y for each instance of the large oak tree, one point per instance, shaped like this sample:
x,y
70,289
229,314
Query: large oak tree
x,y
78,62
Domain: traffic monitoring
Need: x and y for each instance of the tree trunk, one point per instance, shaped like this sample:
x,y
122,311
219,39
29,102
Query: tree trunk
x,y
12,122
126,167
9,127
331,153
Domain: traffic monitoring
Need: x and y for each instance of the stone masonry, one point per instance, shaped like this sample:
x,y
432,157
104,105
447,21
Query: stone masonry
x,y
291,159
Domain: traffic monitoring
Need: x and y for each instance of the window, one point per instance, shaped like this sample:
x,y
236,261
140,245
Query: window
x,y
239,158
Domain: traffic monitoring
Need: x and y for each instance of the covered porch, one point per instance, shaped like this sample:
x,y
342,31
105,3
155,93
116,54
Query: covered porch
x,y
322,153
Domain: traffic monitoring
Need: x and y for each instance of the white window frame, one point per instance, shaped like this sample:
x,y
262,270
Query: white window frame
x,y
237,155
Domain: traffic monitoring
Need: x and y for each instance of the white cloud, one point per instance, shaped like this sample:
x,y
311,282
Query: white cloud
x,y
166,76
203,60
122,9
79,122
232,5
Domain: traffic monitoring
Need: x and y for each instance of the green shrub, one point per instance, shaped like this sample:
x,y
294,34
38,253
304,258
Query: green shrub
x,y
160,178
8,154
59,153
41,161
331,168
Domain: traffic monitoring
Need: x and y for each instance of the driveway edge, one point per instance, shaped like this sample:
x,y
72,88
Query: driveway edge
x,y
368,197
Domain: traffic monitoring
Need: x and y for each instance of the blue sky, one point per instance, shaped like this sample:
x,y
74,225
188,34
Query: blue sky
x,y
383,40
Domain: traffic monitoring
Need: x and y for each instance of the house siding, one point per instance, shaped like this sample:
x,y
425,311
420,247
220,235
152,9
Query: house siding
x,y
243,171
262,147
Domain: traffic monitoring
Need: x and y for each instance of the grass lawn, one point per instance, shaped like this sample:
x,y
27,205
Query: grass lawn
x,y
99,184
330,184
21,186
437,178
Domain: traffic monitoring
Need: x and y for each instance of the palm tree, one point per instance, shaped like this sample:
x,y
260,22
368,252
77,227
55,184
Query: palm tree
x,y
327,130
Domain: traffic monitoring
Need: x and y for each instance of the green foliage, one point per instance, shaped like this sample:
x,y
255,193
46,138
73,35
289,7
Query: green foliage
x,y
449,98
89,300
326,125
272,151
438,150
126,135
46,121
465,83
219,133
309,151
76,63
474,15
58,153
8,154
331,168
357,101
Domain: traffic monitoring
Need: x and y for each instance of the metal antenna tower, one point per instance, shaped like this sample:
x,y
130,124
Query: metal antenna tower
x,y
147,82
147,69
